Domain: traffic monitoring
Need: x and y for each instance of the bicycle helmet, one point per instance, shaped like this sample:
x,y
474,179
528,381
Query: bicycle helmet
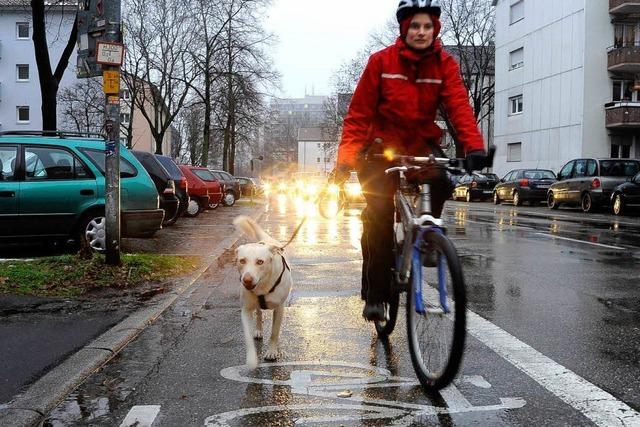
x,y
411,7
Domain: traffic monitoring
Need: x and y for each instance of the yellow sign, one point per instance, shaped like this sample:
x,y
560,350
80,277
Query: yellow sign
x,y
111,82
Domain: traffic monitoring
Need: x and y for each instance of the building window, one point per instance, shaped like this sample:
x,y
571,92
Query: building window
x,y
126,94
22,30
623,91
23,114
22,72
515,105
317,159
124,118
517,12
621,146
514,152
625,35
516,58
319,145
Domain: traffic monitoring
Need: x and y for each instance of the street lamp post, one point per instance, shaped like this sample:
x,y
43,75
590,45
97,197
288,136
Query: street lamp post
x,y
253,190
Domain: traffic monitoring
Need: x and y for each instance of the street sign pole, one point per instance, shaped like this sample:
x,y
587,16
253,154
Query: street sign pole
x,y
100,53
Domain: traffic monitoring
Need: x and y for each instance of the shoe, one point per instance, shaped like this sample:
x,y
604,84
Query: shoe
x,y
374,312
430,259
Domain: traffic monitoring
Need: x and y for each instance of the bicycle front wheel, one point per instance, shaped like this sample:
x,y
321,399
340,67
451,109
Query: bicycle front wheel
x,y
436,327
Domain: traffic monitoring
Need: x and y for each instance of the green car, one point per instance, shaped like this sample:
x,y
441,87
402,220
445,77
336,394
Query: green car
x,y
54,187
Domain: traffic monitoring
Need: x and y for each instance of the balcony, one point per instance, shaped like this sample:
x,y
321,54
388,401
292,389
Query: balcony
x,y
624,59
623,7
622,115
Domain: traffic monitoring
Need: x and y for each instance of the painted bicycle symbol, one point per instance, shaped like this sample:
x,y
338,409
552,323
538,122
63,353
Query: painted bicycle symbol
x,y
324,380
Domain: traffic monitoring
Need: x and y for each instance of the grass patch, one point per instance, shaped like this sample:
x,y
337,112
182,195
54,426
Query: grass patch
x,y
70,275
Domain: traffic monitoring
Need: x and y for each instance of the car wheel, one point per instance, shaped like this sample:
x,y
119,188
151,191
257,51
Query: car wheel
x,y
229,198
213,205
468,197
496,198
587,203
618,205
193,209
551,201
93,232
516,199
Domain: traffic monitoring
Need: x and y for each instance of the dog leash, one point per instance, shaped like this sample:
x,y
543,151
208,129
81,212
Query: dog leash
x,y
320,197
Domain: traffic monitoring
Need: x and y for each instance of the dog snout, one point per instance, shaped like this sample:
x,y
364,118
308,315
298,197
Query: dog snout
x,y
248,282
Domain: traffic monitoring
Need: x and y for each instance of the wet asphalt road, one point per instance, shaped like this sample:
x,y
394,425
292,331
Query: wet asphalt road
x,y
38,333
555,323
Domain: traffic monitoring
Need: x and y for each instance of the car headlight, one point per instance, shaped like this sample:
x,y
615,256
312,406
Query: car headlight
x,y
353,189
282,187
333,190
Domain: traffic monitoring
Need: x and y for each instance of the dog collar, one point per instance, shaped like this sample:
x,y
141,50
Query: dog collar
x,y
261,300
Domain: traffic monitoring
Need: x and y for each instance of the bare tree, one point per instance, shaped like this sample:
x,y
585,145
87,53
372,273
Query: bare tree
x,y
82,106
246,69
50,80
159,36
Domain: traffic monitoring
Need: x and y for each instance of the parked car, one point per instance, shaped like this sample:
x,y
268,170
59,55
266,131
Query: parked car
x,y
475,186
589,183
524,185
181,183
199,192
626,196
230,186
54,187
249,186
166,187
216,194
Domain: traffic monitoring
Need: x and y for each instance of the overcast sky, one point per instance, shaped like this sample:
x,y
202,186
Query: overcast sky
x,y
316,36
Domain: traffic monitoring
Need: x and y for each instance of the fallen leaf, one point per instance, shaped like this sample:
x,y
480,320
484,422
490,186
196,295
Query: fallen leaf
x,y
3,280
346,393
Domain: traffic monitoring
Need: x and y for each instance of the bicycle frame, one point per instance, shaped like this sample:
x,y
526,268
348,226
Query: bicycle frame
x,y
415,228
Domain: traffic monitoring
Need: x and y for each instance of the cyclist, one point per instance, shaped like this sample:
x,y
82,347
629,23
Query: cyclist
x,y
397,99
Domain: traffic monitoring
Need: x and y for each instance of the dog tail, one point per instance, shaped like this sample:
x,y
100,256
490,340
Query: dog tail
x,y
251,228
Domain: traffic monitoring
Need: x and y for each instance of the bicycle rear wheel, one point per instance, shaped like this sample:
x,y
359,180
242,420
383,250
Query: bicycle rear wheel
x,y
436,337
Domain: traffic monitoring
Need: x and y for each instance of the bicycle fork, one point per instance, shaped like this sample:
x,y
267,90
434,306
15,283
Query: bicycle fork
x,y
416,260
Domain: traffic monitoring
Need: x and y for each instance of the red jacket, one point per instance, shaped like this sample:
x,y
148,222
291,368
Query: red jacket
x,y
397,99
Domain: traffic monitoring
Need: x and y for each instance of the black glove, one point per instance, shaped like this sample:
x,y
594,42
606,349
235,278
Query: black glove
x,y
339,175
475,160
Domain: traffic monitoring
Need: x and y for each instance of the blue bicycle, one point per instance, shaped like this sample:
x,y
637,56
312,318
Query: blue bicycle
x,y
436,296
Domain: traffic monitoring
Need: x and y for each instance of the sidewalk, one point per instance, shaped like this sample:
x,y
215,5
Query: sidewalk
x,y
40,334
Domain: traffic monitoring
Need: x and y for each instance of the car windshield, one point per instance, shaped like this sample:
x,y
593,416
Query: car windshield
x,y
204,174
619,168
170,166
539,174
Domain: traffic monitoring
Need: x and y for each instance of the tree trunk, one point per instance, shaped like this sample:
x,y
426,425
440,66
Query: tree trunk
x,y
49,82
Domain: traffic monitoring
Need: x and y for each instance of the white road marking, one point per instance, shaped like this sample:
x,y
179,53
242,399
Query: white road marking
x,y
596,404
476,380
141,416
580,241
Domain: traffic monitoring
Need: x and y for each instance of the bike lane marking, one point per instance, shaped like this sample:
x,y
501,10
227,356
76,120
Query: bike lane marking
x,y
302,382
594,403
141,416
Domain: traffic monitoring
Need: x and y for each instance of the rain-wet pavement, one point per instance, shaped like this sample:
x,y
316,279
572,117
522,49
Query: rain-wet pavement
x,y
554,332
38,333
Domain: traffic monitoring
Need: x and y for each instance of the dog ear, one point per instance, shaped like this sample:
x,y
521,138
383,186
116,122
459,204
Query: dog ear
x,y
275,250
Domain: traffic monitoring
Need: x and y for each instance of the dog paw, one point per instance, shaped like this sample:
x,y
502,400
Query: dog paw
x,y
257,335
252,360
272,354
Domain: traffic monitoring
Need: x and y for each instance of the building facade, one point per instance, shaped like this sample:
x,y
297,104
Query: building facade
x,y
562,85
314,151
20,100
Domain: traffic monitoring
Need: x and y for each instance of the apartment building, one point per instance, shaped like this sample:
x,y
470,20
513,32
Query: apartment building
x,y
566,81
20,101
315,153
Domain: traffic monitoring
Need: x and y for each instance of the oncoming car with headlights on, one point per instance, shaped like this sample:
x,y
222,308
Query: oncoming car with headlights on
x,y
353,189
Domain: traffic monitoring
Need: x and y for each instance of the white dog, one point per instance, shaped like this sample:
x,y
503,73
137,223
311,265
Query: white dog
x,y
266,278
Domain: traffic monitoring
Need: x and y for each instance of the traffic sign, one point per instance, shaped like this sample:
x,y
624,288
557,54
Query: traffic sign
x,y
109,53
111,82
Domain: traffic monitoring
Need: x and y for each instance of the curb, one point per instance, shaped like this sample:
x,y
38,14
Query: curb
x,y
32,406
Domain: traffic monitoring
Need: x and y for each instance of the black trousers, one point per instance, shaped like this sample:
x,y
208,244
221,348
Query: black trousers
x,y
377,225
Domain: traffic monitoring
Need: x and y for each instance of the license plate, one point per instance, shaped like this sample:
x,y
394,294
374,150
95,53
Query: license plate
x,y
487,191
543,186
